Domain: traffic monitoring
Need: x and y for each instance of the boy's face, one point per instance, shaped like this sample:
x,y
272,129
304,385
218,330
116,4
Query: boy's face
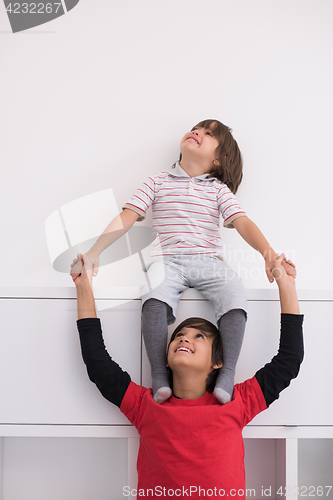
x,y
191,349
199,144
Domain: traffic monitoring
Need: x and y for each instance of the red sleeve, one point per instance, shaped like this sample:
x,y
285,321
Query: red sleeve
x,y
252,398
131,405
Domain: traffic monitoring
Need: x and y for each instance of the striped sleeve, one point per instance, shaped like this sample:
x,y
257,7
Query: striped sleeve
x,y
228,206
143,197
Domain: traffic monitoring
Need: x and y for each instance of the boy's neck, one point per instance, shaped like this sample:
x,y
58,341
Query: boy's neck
x,y
188,387
194,168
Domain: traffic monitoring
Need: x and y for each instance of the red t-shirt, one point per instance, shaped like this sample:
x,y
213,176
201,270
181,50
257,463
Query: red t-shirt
x,y
192,448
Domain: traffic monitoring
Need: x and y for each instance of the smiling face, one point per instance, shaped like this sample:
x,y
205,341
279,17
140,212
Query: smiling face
x,y
191,349
200,145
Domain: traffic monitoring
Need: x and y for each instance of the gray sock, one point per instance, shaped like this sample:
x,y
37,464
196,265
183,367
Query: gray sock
x,y
231,326
155,334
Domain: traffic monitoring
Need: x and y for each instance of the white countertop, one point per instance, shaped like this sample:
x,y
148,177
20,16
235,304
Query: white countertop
x,y
128,293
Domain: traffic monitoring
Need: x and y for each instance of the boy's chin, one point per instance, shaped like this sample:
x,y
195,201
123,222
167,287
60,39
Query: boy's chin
x,y
182,367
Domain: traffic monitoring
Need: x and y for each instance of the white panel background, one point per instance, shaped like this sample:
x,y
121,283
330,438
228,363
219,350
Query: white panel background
x,y
101,97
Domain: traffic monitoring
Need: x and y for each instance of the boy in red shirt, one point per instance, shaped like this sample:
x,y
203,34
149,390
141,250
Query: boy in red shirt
x,y
191,445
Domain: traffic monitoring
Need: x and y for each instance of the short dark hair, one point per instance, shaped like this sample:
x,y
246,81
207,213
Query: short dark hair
x,y
217,351
230,163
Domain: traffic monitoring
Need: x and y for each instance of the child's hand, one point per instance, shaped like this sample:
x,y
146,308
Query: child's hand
x,y
85,274
289,267
91,263
76,267
281,270
286,263
92,260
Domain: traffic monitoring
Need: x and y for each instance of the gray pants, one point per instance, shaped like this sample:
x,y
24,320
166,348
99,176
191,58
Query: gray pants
x,y
167,279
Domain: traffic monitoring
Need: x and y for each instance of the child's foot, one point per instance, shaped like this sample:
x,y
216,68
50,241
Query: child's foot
x,y
160,385
162,395
222,395
224,385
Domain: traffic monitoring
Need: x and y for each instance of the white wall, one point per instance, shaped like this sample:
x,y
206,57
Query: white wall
x,y
101,97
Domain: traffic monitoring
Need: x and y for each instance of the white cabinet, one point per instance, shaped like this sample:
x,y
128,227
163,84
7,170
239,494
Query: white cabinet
x,y
42,376
39,468
305,402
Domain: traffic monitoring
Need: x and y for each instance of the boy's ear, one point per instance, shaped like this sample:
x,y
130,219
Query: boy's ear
x,y
215,367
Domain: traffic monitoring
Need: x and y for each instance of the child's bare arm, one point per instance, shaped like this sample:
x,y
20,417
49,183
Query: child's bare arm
x,y
117,228
85,297
250,232
287,287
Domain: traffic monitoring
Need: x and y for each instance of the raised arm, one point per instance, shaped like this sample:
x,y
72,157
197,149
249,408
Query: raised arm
x,y
84,293
110,379
250,232
117,228
277,375
287,287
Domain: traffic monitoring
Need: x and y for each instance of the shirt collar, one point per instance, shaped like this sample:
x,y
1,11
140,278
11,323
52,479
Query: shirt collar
x,y
177,171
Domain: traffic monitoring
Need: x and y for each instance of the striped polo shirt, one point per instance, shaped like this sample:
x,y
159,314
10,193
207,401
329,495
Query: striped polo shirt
x,y
186,211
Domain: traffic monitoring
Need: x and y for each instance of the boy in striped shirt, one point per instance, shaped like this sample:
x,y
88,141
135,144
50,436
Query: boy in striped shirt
x,y
187,250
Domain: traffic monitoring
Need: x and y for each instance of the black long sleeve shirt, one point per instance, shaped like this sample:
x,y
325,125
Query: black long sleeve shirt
x,y
113,382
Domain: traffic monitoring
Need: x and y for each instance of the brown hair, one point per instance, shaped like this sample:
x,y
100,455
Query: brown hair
x,y
217,351
230,164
